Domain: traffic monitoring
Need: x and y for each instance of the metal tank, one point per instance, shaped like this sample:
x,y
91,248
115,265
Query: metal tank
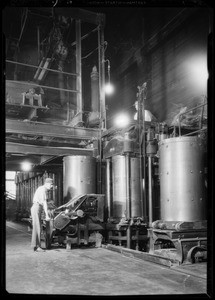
x,y
181,179
119,181
79,176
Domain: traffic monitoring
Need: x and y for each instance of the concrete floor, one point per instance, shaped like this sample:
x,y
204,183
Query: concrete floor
x,y
89,271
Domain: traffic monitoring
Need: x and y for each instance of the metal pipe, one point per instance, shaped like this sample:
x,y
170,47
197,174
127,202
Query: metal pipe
x,y
100,81
78,68
128,197
44,86
101,76
150,189
103,107
203,129
191,109
39,67
141,113
108,187
94,90
85,36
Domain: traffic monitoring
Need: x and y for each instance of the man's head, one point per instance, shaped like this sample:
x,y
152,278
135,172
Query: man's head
x,y
48,183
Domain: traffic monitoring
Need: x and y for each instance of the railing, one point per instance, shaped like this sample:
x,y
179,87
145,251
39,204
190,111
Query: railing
x,y
200,120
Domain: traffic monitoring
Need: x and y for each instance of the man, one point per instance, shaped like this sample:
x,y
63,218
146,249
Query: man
x,y
39,203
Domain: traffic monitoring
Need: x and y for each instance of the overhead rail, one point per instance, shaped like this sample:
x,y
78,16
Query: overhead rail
x,y
39,67
43,86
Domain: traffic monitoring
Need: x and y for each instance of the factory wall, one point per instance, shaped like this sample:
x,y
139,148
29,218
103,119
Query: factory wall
x,y
172,59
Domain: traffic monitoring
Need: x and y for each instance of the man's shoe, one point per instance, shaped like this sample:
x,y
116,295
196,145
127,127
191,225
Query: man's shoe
x,y
39,250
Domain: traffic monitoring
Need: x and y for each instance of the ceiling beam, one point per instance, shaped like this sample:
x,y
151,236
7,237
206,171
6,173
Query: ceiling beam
x,y
40,150
9,166
52,130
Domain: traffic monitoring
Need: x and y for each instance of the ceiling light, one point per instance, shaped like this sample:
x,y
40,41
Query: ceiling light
x,y
26,166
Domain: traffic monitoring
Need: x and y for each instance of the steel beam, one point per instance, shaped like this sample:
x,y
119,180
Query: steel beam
x,y
39,150
44,129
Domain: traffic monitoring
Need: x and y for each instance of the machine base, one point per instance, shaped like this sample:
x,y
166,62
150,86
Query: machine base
x,y
184,247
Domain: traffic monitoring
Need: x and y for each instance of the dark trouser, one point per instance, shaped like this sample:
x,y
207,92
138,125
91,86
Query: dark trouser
x,y
36,210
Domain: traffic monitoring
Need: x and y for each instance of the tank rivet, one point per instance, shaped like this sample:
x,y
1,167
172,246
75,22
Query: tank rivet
x,y
191,171
167,199
200,172
200,199
167,173
192,199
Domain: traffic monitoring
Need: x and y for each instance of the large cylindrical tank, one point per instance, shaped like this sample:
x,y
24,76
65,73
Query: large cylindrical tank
x,y
79,176
181,179
119,176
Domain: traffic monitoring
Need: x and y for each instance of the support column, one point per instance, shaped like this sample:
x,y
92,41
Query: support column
x,y
78,69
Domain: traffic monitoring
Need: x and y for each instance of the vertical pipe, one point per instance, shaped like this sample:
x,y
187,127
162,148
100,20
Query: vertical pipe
x,y
103,108
128,197
141,121
101,59
78,69
150,189
108,188
94,90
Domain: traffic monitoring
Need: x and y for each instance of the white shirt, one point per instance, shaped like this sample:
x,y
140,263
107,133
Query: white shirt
x,y
40,195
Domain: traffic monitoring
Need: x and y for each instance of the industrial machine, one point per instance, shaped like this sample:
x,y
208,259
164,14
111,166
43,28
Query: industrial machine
x,y
182,231
156,190
78,222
